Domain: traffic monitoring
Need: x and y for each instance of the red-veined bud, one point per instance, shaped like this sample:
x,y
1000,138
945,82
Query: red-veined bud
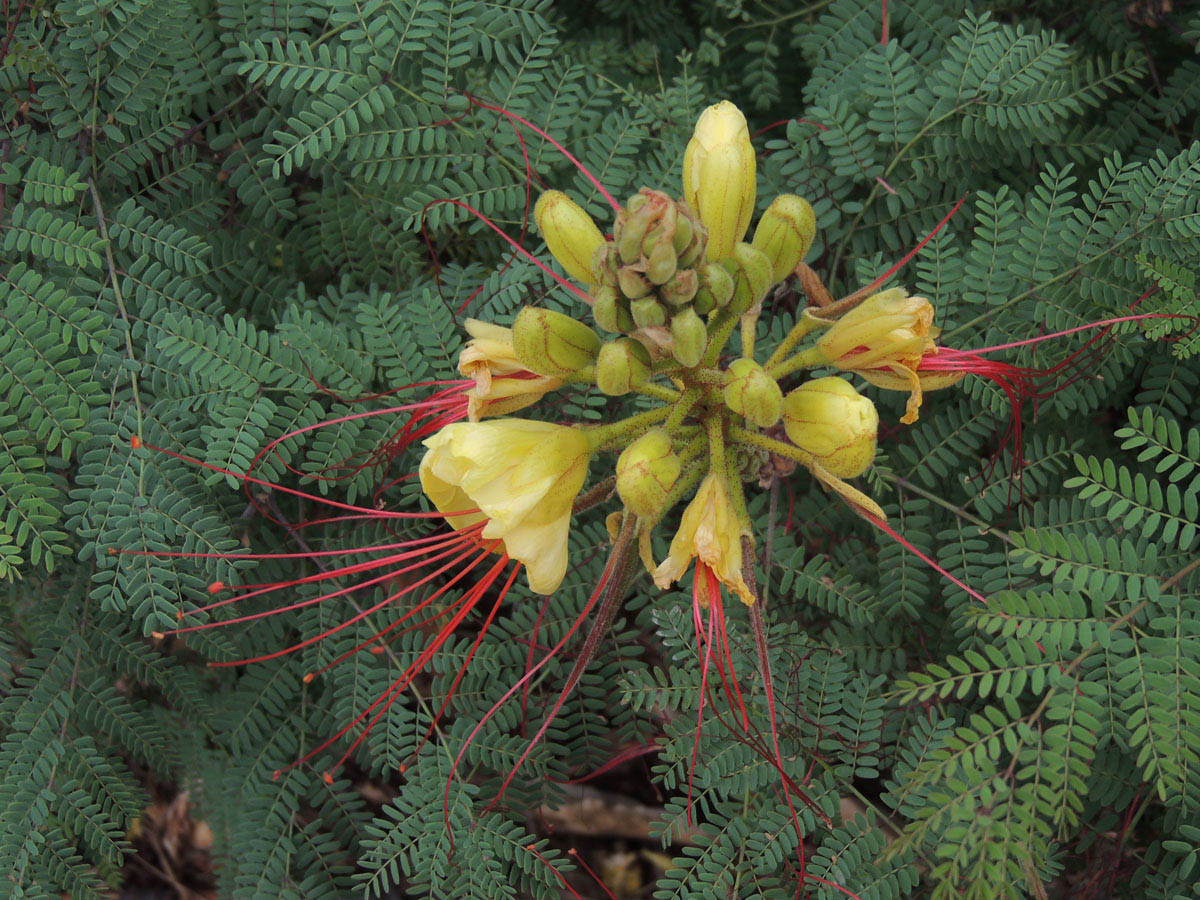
x,y
692,251
604,263
550,343
648,312
689,337
570,233
660,265
622,366
751,392
611,310
751,273
681,288
716,287
646,471
633,283
718,176
834,422
784,234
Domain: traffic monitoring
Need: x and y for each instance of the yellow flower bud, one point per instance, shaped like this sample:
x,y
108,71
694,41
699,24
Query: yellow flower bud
x,y
522,477
784,234
836,424
646,472
751,272
570,234
709,531
611,310
623,366
751,392
689,337
550,343
718,176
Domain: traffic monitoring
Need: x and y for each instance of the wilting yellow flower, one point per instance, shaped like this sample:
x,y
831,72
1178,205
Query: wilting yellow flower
x,y
570,234
502,384
883,339
522,477
835,423
718,176
709,530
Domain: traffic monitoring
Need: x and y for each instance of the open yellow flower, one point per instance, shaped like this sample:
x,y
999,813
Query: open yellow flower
x,y
708,531
502,384
521,476
884,339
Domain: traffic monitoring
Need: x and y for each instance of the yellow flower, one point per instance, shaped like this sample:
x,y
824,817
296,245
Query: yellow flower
x,y
718,176
883,339
522,477
502,384
709,531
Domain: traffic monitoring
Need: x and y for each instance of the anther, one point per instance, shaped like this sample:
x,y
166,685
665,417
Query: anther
x,y
216,587
135,442
308,677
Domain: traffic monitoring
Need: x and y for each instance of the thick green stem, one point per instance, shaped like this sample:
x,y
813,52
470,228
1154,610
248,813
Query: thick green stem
x,y
718,336
666,394
804,327
716,445
805,359
682,407
604,436
749,334
742,436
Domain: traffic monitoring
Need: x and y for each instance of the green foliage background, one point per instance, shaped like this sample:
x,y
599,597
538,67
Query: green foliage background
x,y
206,202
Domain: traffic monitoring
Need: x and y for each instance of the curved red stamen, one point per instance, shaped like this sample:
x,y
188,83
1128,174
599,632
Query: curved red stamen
x,y
559,147
359,616
516,246
915,250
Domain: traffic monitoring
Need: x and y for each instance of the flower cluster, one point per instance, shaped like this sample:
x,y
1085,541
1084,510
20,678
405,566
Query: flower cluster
x,y
667,292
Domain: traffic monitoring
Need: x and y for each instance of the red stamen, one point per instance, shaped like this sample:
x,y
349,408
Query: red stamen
x,y
514,244
559,147
915,250
574,854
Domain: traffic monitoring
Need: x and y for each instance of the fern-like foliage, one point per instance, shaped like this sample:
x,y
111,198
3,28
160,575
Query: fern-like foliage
x,y
219,223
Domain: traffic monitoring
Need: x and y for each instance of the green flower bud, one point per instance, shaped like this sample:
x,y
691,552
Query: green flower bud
x,y
604,264
648,312
646,471
548,343
661,265
683,233
611,311
631,227
690,337
692,253
784,234
680,289
751,392
622,366
716,286
570,234
832,421
634,284
751,271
